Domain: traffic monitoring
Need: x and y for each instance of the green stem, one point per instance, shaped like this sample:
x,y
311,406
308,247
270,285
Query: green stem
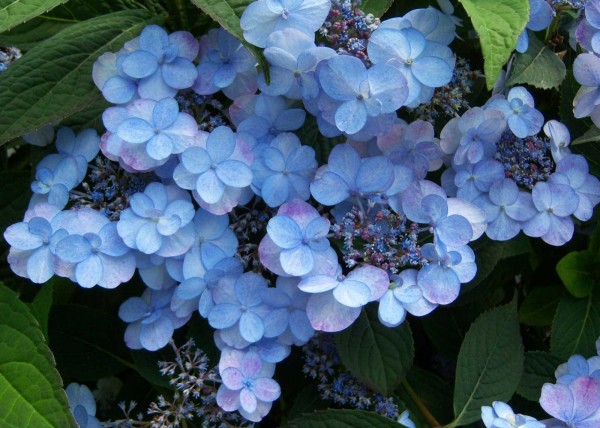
x,y
419,403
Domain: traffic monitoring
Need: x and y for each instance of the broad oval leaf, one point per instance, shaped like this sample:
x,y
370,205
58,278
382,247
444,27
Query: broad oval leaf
x,y
376,7
577,270
490,363
377,355
87,343
54,79
342,419
576,326
31,390
538,66
15,12
539,306
498,23
539,369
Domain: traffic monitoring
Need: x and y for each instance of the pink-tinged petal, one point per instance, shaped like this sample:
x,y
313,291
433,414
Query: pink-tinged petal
x,y
557,401
227,399
327,314
232,378
302,212
266,389
248,400
251,365
375,278
269,253
186,43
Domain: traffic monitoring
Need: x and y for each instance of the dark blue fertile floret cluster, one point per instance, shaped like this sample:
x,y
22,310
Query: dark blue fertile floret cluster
x,y
403,239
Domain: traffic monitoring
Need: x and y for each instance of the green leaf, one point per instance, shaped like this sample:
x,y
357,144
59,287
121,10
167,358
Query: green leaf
x,y
31,394
227,13
591,151
14,196
87,343
539,369
306,401
384,355
146,364
28,35
498,23
577,271
15,12
40,307
539,67
80,10
592,135
538,308
376,7
54,79
490,363
433,391
342,419
488,253
576,326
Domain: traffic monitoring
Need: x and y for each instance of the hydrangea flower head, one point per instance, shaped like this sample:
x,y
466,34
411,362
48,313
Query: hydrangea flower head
x,y
519,110
83,405
500,415
225,64
361,92
263,17
247,384
268,117
283,170
151,321
33,242
576,403
240,307
541,15
158,221
216,171
346,174
555,203
93,251
336,301
293,57
300,243
296,241
163,62
144,135
54,181
403,290
424,64
587,99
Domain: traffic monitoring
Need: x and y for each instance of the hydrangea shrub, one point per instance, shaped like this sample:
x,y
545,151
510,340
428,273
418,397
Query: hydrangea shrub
x,y
300,213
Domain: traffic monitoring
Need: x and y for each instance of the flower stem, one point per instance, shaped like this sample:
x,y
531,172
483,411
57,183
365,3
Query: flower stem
x,y
419,403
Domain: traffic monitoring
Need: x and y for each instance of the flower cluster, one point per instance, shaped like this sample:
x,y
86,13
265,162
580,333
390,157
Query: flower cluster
x,y
8,55
226,212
